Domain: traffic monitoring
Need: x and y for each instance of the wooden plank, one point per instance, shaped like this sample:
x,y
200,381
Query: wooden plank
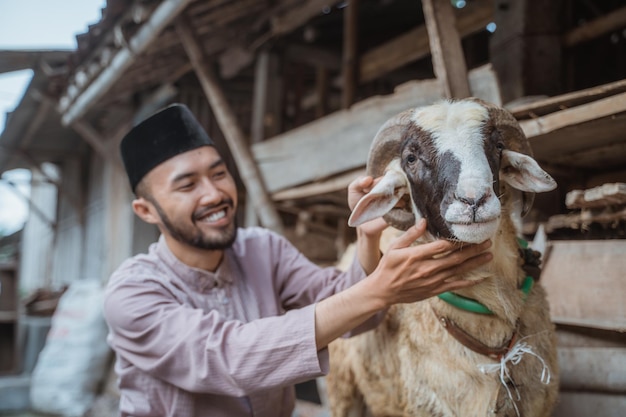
x,y
445,47
593,369
585,218
543,106
601,196
596,145
340,141
337,183
585,404
585,283
580,114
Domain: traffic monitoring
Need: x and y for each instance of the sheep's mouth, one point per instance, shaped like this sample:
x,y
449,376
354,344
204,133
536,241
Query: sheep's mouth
x,y
474,232
473,222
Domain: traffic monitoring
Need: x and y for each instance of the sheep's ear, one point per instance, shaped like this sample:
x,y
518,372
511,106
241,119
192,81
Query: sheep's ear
x,y
380,200
524,173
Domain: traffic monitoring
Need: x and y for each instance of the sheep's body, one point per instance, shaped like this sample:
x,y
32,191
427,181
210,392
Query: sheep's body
x,y
411,365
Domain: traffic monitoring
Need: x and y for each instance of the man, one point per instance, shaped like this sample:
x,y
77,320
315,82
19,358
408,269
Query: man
x,y
222,321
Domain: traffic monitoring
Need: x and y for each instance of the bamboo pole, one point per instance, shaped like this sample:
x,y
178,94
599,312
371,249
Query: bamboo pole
x,y
250,173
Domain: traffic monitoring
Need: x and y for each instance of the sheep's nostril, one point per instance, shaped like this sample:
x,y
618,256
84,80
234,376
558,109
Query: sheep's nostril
x,y
472,201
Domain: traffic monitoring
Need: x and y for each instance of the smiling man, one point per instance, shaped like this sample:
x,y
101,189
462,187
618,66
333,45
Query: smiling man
x,y
217,320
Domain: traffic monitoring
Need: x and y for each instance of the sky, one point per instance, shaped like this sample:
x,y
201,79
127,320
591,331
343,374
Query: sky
x,y
33,24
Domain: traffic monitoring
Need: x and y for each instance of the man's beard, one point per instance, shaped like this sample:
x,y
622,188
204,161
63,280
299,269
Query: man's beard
x,y
194,237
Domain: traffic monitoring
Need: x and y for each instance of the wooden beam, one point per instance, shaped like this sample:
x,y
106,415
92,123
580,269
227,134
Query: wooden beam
x,y
334,184
16,60
615,20
350,53
445,46
526,48
563,101
235,138
299,15
259,97
601,196
257,124
575,115
413,45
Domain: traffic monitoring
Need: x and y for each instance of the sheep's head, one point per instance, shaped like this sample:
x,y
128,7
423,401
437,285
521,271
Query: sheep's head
x,y
450,163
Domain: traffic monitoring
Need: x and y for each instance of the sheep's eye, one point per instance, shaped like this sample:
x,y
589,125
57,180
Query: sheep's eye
x,y
411,159
500,146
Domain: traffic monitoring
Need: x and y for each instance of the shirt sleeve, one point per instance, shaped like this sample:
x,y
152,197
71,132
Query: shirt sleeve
x,y
203,352
302,282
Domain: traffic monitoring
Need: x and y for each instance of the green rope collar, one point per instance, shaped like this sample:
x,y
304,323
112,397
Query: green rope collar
x,y
474,306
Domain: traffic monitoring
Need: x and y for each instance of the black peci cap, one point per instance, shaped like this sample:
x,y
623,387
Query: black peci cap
x,y
167,133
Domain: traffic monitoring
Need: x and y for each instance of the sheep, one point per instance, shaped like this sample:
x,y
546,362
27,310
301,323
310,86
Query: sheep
x,y
489,350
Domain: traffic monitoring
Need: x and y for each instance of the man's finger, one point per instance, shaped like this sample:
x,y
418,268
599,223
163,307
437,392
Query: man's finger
x,y
407,238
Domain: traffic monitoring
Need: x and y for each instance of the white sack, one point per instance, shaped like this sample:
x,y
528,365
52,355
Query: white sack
x,y
74,358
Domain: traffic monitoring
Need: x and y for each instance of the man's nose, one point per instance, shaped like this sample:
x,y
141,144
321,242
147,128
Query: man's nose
x,y
210,193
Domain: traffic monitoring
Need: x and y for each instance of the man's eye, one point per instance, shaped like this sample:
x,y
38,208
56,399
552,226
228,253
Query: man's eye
x,y
186,186
219,174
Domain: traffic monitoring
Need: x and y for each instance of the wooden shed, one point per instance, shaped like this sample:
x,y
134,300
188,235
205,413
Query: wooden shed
x,y
293,92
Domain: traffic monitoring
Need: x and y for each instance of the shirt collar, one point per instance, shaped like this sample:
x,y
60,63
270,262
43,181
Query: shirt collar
x,y
198,278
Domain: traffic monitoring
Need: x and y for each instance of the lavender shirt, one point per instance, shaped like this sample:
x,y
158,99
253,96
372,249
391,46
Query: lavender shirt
x,y
231,343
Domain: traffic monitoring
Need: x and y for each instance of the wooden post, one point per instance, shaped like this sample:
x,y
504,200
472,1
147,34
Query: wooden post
x,y
350,53
257,129
526,49
445,47
235,138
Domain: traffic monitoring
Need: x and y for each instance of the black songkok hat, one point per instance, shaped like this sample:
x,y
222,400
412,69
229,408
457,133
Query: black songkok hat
x,y
167,133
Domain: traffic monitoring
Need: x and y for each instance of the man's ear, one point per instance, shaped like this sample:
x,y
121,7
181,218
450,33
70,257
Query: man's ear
x,y
145,210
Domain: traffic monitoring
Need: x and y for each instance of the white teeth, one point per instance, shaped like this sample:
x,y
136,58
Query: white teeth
x,y
216,216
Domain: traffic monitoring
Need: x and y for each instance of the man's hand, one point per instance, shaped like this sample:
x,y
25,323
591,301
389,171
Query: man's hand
x,y
409,273
356,190
405,274
368,234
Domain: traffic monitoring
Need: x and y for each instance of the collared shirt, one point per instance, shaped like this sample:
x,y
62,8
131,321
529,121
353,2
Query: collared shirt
x,y
230,343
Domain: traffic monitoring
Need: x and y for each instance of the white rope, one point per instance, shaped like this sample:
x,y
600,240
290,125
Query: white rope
x,y
514,356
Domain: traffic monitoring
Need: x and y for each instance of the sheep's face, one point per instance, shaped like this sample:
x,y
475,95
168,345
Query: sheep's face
x,y
450,159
